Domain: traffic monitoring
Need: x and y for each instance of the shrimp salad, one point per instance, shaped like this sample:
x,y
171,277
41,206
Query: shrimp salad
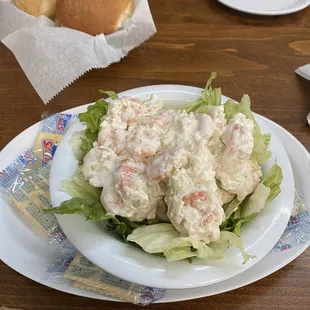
x,y
179,183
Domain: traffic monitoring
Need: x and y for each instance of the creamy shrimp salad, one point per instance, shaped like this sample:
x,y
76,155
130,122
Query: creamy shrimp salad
x,y
195,162
177,182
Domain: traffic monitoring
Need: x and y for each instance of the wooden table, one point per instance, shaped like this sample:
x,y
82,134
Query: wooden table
x,y
254,55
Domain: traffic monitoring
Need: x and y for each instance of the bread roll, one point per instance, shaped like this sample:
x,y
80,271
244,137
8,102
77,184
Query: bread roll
x,y
95,16
38,7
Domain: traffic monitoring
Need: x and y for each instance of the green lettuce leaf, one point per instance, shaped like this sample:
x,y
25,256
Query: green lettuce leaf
x,y
154,238
86,146
187,247
231,207
254,203
94,211
265,192
239,222
76,143
120,226
209,98
109,93
124,227
235,222
228,239
79,187
273,181
92,118
261,142
164,238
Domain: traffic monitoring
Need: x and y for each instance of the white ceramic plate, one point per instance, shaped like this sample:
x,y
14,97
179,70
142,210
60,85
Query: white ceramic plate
x,y
132,264
28,255
267,7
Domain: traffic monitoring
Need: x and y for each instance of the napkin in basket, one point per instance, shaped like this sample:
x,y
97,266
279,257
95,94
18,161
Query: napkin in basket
x,y
53,57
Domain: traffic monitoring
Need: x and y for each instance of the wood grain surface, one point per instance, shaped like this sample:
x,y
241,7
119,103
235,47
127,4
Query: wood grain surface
x,y
254,55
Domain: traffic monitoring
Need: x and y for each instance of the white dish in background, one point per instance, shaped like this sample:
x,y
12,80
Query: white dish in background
x,y
28,255
267,7
133,264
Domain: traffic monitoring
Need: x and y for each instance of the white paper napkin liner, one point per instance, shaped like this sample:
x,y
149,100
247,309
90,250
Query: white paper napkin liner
x,y
53,57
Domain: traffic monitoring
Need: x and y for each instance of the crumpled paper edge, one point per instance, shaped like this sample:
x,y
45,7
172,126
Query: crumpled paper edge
x,y
111,40
108,38
95,67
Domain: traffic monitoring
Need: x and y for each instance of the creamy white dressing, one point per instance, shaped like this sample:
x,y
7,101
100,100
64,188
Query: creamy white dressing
x,y
194,205
237,173
194,162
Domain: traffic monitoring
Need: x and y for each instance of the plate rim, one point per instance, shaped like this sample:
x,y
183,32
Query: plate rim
x,y
142,91
294,9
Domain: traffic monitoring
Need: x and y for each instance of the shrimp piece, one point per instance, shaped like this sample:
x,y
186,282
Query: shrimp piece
x,y
186,130
238,140
194,199
153,104
239,179
145,136
198,214
158,120
128,110
128,193
106,133
143,142
113,134
127,173
163,164
237,173
97,165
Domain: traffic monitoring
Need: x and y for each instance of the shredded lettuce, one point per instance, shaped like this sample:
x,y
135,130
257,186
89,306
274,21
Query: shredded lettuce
x,y
261,142
86,200
231,207
164,238
109,93
209,98
79,187
92,118
254,203
265,192
230,239
154,238
234,222
246,210
187,247
273,181
121,226
85,146
94,211
76,144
